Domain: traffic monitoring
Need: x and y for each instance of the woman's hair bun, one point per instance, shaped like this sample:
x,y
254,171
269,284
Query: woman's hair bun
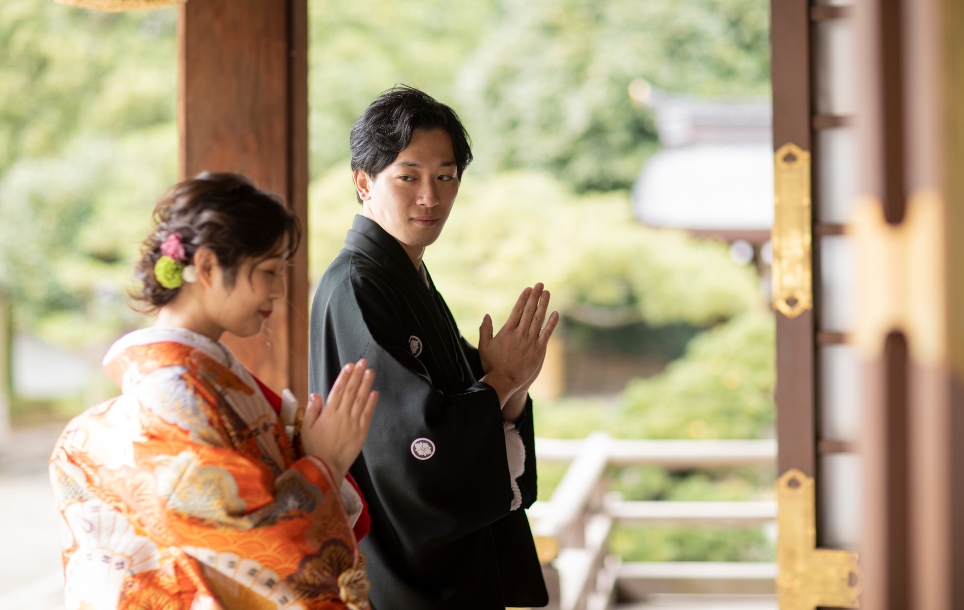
x,y
223,212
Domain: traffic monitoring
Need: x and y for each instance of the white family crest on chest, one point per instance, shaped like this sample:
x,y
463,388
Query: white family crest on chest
x,y
423,448
415,344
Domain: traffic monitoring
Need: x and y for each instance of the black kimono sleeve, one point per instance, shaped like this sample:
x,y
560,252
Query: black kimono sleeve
x,y
528,481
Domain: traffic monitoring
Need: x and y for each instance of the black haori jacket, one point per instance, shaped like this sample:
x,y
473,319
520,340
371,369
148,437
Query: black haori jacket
x,y
434,469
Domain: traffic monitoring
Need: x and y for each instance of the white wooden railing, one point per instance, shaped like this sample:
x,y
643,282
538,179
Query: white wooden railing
x,y
572,528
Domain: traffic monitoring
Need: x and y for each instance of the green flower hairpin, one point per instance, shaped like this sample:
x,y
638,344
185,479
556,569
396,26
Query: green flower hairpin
x,y
169,272
172,270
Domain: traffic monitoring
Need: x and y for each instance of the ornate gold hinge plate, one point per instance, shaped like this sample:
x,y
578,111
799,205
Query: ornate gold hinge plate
x,y
901,277
791,238
120,5
809,577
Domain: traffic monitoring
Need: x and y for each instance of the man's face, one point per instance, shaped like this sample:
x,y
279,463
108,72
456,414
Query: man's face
x,y
412,197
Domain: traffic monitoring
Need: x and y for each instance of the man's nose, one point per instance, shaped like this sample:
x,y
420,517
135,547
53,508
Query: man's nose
x,y
428,194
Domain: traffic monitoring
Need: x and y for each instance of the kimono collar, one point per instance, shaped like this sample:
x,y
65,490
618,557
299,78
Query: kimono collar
x,y
145,336
368,237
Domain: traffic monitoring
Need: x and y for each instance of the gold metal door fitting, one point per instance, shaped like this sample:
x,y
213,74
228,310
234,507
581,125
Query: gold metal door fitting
x,y
791,238
901,277
809,577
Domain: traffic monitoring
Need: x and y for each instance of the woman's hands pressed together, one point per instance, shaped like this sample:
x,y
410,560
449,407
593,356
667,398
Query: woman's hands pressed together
x,y
335,432
513,358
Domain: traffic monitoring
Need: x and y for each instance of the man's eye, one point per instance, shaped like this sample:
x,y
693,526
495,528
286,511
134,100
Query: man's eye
x,y
446,178
406,178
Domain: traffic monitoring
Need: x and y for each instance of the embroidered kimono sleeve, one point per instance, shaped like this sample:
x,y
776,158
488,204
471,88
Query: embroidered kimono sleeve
x,y
283,535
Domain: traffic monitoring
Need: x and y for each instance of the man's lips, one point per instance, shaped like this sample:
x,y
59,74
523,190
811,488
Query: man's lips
x,y
265,314
426,221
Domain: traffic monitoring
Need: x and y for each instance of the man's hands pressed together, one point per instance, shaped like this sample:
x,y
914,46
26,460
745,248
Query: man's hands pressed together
x,y
513,358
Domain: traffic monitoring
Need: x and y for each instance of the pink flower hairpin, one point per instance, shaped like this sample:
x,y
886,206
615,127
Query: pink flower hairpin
x,y
173,247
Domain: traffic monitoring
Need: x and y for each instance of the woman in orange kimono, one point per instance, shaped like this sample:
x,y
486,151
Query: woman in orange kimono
x,y
188,491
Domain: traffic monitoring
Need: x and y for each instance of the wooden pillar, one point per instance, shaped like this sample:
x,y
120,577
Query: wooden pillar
x,y
244,108
910,231
792,112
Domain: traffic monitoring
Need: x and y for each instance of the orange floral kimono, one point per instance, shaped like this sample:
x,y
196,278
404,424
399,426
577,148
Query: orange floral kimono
x,y
185,492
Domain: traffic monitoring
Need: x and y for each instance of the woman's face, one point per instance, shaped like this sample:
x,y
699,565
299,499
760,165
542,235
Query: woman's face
x,y
242,309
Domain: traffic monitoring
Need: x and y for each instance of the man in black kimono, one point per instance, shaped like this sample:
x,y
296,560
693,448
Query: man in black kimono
x,y
449,464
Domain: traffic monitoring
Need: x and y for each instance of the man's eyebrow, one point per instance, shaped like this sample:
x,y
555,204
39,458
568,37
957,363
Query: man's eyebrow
x,y
418,166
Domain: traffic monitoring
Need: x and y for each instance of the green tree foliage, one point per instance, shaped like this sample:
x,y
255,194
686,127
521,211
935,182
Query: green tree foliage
x,y
67,72
721,388
72,229
548,88
87,145
363,47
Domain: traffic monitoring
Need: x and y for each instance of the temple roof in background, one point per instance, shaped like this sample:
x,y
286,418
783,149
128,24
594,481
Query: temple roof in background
x,y
714,174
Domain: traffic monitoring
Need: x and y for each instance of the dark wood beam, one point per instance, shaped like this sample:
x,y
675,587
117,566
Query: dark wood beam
x,y
831,121
825,447
826,13
828,337
823,229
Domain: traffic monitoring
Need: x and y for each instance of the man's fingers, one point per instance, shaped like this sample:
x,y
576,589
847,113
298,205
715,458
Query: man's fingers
x,y
485,331
540,316
531,305
516,314
547,331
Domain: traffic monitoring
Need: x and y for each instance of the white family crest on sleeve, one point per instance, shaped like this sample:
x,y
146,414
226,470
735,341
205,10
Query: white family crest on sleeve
x,y
422,448
415,344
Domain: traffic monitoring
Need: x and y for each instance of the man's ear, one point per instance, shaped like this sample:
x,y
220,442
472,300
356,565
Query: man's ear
x,y
205,261
363,184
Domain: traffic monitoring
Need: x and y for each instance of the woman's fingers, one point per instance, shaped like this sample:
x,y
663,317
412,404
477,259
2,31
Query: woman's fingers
x,y
361,396
366,415
338,389
351,385
312,411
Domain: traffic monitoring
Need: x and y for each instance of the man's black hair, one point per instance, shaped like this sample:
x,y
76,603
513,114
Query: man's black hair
x,y
385,129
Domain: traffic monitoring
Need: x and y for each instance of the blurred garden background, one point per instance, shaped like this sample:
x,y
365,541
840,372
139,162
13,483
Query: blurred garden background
x,y
664,335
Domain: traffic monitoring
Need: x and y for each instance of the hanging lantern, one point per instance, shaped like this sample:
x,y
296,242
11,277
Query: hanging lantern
x,y
119,5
